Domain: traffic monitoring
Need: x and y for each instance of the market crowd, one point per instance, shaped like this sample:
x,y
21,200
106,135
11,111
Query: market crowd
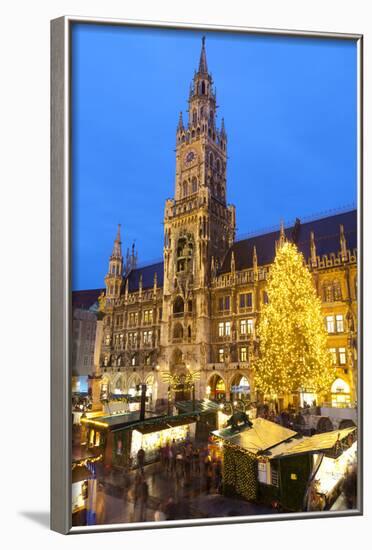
x,y
183,464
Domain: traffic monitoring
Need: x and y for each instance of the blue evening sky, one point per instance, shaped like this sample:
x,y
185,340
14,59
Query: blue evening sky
x,y
289,105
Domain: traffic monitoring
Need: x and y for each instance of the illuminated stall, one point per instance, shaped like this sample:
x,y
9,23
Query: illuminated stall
x,y
271,464
152,437
119,437
83,473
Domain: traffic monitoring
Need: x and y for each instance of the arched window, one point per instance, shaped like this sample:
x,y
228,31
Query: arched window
x,y
211,160
189,331
194,185
178,306
203,88
184,189
218,166
194,116
202,112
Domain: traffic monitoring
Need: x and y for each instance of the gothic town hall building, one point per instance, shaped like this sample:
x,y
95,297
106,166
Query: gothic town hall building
x,y
197,311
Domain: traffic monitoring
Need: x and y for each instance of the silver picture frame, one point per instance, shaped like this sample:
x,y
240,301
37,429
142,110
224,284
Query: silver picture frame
x,y
61,238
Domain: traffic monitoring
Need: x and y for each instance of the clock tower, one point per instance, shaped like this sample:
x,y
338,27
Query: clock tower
x,y
199,225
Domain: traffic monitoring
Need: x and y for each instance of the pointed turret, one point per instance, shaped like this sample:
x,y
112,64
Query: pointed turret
x,y
343,244
180,126
255,264
114,275
232,265
223,129
116,251
281,235
203,68
312,250
155,286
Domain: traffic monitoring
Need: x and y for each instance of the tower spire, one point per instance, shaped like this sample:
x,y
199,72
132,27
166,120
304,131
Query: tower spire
x,y
180,122
116,251
203,68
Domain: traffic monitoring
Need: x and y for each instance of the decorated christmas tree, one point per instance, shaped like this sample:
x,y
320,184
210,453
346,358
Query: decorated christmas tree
x,y
292,335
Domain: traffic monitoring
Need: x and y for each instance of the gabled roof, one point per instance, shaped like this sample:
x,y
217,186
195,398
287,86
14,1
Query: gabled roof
x,y
326,235
148,273
262,436
84,299
314,444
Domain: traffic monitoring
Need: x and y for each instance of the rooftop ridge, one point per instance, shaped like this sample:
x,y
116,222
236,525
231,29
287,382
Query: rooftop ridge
x,y
147,263
288,224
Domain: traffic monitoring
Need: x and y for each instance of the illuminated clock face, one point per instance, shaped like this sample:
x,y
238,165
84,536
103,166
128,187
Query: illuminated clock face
x,y
190,157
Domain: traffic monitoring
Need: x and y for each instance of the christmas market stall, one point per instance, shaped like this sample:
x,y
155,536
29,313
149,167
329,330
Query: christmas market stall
x,y
273,465
84,480
119,437
241,449
319,465
208,416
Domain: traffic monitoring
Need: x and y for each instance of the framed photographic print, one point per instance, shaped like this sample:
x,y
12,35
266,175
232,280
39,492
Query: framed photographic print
x,y
206,274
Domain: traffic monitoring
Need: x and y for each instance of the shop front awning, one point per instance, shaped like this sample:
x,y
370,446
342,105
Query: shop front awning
x,y
262,436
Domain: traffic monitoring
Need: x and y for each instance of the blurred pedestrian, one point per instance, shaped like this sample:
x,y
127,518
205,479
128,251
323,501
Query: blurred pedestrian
x,y
170,509
131,503
143,498
100,505
209,476
141,455
159,514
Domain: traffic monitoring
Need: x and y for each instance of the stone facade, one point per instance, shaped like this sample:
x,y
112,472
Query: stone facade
x,y
197,310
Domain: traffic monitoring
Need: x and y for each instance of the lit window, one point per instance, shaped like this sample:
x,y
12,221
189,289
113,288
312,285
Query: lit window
x,y
243,354
221,355
246,326
342,356
220,329
133,360
262,472
227,328
340,323
330,323
107,341
334,355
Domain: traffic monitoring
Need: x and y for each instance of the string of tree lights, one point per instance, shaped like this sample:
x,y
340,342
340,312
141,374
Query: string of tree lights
x,y
293,340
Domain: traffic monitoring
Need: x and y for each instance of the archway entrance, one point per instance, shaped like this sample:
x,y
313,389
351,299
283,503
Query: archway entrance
x,y
340,393
240,387
216,390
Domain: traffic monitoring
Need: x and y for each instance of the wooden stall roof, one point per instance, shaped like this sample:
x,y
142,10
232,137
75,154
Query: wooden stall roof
x,y
316,443
198,406
262,436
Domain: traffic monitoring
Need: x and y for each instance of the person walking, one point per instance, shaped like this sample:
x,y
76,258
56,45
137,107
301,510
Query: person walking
x,y
209,476
100,505
159,514
143,498
131,503
141,455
